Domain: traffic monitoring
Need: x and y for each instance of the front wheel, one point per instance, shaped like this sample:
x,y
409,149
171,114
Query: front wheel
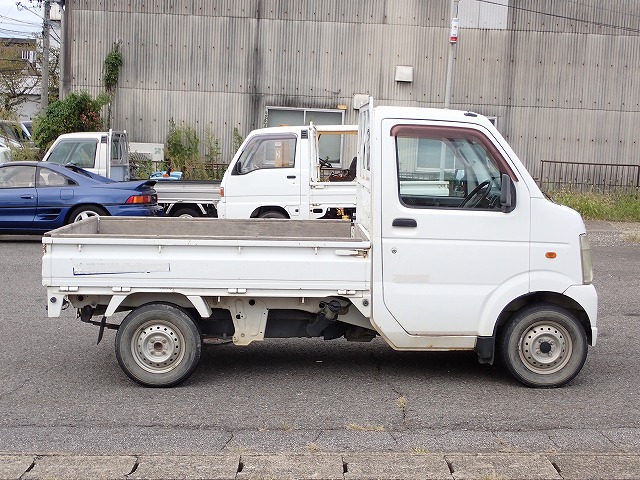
x,y
158,345
544,346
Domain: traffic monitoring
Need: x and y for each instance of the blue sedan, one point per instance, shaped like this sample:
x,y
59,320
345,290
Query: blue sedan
x,y
36,197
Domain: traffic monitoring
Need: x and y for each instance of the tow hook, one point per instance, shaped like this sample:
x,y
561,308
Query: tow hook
x,y
324,317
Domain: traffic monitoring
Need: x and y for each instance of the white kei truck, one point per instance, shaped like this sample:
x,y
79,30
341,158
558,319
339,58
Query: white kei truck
x,y
104,153
304,172
493,266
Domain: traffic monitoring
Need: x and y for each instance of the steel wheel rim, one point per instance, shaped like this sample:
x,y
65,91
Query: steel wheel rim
x,y
157,346
545,347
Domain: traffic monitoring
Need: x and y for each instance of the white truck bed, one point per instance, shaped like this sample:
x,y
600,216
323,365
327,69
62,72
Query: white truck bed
x,y
220,257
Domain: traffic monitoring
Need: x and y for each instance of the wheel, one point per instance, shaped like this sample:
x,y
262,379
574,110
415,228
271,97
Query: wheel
x,y
80,213
186,213
158,345
544,346
477,193
272,214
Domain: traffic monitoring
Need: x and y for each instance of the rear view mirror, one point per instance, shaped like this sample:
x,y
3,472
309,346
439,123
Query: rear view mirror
x,y
507,193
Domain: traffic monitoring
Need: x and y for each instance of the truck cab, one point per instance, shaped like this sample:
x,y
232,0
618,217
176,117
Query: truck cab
x,y
104,153
291,172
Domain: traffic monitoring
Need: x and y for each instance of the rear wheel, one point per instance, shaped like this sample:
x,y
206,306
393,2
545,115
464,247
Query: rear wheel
x,y
272,214
158,345
186,213
86,211
544,346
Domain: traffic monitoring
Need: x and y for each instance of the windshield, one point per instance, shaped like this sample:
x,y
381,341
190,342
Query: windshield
x,y
81,153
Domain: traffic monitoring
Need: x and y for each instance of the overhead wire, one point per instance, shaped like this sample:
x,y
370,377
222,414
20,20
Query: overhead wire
x,y
563,17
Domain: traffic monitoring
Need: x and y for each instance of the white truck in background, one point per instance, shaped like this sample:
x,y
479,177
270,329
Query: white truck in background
x,y
104,153
304,172
492,266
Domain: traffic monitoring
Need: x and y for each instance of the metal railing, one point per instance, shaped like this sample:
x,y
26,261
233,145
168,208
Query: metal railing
x,y
589,177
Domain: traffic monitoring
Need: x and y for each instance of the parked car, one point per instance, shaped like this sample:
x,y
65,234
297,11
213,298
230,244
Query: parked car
x,y
166,175
5,152
36,197
14,134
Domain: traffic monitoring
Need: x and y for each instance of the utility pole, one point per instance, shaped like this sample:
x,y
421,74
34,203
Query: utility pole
x,y
44,80
63,56
453,40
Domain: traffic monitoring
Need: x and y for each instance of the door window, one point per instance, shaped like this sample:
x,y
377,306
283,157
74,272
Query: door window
x,y
447,168
49,178
17,176
267,152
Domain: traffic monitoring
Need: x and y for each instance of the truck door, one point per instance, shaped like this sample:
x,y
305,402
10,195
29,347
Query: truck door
x,y
267,174
448,245
18,196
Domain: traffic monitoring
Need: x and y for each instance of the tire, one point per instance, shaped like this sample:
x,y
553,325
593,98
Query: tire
x,y
158,345
86,211
273,214
544,346
186,213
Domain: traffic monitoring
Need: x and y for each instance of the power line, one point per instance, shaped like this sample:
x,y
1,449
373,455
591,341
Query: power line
x,y
563,17
20,22
604,9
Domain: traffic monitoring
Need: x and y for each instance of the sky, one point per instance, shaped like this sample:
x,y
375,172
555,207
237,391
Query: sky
x,y
19,22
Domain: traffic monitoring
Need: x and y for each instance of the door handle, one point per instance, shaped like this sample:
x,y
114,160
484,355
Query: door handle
x,y
26,196
291,177
404,222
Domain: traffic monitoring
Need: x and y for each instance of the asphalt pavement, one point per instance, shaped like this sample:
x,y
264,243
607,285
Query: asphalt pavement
x,y
588,454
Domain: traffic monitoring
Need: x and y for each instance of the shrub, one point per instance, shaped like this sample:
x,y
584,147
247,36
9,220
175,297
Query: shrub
x,y
77,112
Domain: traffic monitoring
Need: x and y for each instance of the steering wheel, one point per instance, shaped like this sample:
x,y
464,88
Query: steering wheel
x,y
477,193
325,163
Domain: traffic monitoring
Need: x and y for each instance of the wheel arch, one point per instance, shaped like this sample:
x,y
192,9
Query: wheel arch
x,y
139,299
495,319
198,209
75,208
545,297
268,208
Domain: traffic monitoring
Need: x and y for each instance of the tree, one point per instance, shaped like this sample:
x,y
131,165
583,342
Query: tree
x,y
77,112
20,77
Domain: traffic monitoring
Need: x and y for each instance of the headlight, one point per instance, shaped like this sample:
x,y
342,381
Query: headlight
x,y
585,256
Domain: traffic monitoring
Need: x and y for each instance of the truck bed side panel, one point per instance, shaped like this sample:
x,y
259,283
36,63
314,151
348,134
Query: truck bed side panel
x,y
271,254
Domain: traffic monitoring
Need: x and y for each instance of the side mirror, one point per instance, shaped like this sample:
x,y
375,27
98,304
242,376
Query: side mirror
x,y
507,193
